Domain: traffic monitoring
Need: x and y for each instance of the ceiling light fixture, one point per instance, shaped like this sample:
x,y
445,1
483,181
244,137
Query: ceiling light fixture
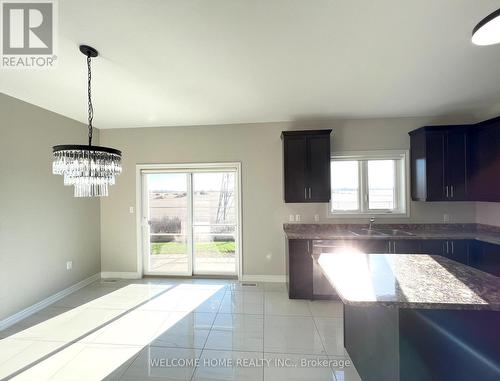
x,y
89,169
487,32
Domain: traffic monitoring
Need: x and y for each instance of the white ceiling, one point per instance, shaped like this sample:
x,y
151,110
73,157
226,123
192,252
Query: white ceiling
x,y
187,62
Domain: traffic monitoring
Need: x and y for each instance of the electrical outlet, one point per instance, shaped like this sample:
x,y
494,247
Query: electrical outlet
x,y
131,209
316,217
69,265
291,218
297,218
446,218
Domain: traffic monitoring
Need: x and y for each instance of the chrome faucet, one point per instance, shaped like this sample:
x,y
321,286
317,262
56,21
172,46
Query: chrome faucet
x,y
372,221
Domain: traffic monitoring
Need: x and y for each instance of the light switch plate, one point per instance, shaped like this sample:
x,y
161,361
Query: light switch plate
x,y
291,218
297,218
69,265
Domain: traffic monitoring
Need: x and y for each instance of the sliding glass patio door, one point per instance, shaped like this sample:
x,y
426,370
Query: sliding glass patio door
x,y
214,223
190,221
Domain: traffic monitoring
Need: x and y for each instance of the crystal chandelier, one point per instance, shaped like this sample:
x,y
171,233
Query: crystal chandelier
x,y
89,169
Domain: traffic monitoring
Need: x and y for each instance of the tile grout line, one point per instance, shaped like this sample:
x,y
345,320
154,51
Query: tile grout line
x,y
75,340
228,291
132,360
210,331
323,344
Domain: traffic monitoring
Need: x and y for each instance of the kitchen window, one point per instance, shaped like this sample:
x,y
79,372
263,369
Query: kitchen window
x,y
369,183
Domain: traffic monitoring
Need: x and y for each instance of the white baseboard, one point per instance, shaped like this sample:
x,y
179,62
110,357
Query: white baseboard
x,y
264,278
13,319
120,275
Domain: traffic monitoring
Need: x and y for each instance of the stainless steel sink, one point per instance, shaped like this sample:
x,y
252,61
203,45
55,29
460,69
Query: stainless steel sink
x,y
381,232
368,232
394,232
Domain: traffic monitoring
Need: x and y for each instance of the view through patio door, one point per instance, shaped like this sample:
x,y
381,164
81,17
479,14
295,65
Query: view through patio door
x,y
190,221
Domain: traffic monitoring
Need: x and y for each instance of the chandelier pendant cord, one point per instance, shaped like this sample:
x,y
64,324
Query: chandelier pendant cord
x,y
89,93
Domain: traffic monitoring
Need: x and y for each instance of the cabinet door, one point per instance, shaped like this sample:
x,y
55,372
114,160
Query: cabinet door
x,y
318,168
485,163
433,246
322,288
374,246
456,166
435,166
406,246
295,152
300,269
366,246
458,250
486,257
418,166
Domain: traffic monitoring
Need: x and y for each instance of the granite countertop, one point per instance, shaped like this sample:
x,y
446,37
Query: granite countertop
x,y
418,231
409,281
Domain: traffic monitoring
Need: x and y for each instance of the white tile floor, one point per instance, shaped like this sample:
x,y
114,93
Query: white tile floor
x,y
169,329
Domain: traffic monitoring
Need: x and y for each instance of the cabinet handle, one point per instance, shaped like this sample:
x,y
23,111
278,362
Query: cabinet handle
x,y
446,191
451,191
308,248
392,247
309,193
447,248
389,247
452,246
305,193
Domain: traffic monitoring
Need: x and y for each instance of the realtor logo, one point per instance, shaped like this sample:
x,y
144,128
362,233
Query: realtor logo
x,y
28,33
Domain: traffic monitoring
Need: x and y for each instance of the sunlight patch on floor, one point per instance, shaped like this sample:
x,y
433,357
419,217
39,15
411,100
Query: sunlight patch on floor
x,y
73,345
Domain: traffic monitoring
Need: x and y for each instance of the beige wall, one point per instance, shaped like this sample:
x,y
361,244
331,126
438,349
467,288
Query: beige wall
x,y
488,213
258,148
41,224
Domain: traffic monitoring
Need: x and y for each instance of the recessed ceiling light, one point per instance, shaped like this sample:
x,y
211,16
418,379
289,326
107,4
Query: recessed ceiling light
x,y
487,32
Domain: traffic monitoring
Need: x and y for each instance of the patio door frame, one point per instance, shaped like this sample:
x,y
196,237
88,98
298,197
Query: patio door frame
x,y
142,212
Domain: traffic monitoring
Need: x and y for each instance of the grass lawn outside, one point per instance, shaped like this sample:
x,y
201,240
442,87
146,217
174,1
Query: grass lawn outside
x,y
212,249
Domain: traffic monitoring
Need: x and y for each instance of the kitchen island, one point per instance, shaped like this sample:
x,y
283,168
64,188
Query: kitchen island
x,y
416,317
474,245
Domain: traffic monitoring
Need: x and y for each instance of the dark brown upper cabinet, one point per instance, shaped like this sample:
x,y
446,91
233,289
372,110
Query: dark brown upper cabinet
x,y
485,161
306,158
440,163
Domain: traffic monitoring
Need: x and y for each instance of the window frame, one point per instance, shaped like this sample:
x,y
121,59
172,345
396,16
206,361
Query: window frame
x,y
402,191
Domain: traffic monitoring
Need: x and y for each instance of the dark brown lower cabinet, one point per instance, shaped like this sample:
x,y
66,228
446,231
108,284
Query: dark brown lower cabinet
x,y
321,287
306,280
456,249
433,246
300,269
373,246
486,257
406,246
